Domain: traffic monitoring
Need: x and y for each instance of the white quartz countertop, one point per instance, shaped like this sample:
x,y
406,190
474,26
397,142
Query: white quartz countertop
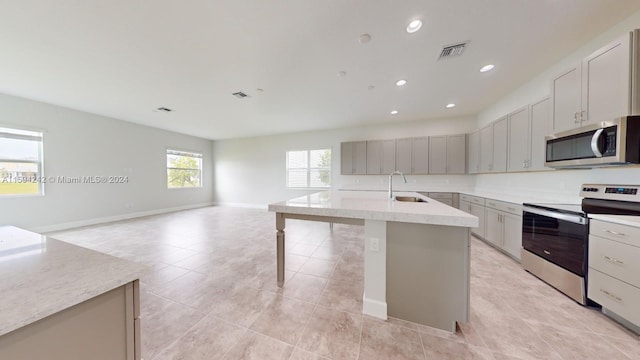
x,y
375,205
618,219
40,276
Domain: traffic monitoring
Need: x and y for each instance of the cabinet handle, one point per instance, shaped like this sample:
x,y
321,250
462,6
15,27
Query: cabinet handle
x,y
614,232
583,116
611,295
575,118
512,209
547,252
612,259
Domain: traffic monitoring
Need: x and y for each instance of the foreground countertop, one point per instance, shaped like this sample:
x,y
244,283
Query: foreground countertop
x,y
41,276
375,205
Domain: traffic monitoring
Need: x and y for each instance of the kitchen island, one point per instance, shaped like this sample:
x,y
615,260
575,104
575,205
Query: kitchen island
x,y
62,301
416,252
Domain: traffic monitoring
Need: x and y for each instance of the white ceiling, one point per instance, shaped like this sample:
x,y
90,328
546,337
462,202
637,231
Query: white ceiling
x,y
124,59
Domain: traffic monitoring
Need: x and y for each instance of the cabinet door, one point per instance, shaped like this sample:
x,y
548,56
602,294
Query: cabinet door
x,y
404,155
512,235
500,135
388,161
360,157
540,127
486,149
456,154
606,90
493,226
473,153
346,158
519,140
421,155
478,211
437,154
374,157
565,95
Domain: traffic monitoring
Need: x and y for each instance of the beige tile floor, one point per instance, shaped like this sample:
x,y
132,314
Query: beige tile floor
x,y
211,294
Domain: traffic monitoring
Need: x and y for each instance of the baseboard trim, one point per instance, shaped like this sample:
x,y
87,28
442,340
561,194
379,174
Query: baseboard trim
x,y
242,205
374,308
108,219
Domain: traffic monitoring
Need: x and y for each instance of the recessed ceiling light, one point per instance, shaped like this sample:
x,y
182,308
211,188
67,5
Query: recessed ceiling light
x,y
401,82
487,68
450,105
364,38
394,112
414,26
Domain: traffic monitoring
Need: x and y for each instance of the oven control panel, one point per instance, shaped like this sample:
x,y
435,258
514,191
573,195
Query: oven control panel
x,y
611,192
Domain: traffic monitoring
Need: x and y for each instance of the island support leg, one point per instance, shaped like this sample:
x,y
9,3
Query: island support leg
x,y
280,247
374,299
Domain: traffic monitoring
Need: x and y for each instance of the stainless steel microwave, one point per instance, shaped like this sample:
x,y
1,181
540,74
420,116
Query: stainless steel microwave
x,y
607,143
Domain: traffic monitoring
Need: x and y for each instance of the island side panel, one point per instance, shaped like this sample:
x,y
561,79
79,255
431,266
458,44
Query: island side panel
x,y
428,274
374,299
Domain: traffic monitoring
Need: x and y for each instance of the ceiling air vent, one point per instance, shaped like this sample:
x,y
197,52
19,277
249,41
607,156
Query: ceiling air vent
x,y
240,95
452,50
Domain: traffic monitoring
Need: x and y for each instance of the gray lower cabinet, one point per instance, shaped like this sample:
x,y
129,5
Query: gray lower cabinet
x,y
504,226
614,270
474,205
412,155
353,158
381,156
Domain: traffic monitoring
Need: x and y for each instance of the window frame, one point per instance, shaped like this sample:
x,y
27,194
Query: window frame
x,y
309,170
37,136
186,153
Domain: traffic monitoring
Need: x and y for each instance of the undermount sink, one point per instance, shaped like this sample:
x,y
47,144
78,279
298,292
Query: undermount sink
x,y
409,199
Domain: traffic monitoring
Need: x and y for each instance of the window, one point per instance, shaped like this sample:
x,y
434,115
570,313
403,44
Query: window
x,y
184,169
20,162
309,169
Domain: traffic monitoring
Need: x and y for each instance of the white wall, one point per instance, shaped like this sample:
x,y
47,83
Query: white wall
x,y
82,144
560,184
251,171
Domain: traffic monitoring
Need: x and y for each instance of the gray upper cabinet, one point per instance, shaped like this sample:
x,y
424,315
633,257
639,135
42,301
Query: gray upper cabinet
x,y
381,156
500,131
473,153
599,88
437,154
540,127
412,155
456,154
519,140
353,158
486,149
447,154
404,155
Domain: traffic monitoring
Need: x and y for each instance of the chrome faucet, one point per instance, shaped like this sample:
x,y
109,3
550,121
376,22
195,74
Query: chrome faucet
x,y
391,182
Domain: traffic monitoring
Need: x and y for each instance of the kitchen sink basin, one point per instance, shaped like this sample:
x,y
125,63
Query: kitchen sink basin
x,y
410,199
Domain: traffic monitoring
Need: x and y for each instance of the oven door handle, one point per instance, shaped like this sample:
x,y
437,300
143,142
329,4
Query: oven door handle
x,y
555,215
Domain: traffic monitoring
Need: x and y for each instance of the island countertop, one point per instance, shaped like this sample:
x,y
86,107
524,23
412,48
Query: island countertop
x,y
376,206
41,276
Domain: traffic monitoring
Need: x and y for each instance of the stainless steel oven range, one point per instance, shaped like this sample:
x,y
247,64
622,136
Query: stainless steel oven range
x,y
555,237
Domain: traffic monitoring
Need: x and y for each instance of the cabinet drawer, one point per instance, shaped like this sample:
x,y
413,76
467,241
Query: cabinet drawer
x,y
441,195
512,208
616,259
615,295
472,199
623,233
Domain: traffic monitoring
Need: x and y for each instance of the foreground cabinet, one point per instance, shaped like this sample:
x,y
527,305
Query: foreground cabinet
x,y
599,88
353,158
381,156
504,226
614,270
412,155
447,154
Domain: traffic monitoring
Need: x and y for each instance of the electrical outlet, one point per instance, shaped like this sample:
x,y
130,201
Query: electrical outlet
x,y
374,245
